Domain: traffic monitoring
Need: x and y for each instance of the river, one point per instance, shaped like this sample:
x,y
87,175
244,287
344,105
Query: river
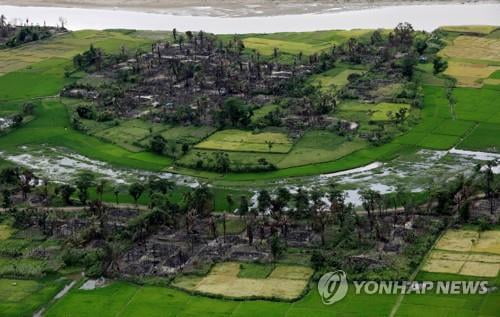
x,y
422,17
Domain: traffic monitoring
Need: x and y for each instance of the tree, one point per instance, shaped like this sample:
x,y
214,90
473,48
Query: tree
x,y
62,22
278,247
440,65
236,111
244,207
420,45
403,36
376,37
270,145
185,148
318,260
407,64
301,204
264,201
117,190
369,199
158,144
101,185
159,185
487,184
222,162
200,200
66,191
83,182
321,214
6,200
135,190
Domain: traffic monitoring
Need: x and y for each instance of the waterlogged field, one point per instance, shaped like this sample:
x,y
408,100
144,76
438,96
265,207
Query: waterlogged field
x,y
469,125
51,127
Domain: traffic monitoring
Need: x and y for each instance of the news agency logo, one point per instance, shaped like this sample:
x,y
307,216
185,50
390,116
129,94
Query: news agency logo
x,y
333,287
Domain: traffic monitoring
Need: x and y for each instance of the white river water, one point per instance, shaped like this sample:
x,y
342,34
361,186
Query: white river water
x,y
422,17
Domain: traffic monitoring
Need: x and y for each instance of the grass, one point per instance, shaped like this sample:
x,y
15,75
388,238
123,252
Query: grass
x,y
484,137
188,134
24,297
334,78
129,134
51,127
454,127
125,299
319,146
474,29
65,47
5,232
294,43
267,46
495,75
246,141
260,113
26,83
382,110
468,305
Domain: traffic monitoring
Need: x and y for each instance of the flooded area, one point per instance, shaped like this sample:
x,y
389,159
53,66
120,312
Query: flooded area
x,y
61,165
422,17
416,173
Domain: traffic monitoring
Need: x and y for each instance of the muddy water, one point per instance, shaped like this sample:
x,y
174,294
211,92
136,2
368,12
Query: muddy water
x,y
413,173
423,17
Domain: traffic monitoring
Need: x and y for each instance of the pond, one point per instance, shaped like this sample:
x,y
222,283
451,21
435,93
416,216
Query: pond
x,y
422,17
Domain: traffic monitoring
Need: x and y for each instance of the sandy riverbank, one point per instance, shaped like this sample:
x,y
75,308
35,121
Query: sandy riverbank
x,y
233,8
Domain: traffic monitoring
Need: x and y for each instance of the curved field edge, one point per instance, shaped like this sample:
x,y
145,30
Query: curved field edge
x,y
423,135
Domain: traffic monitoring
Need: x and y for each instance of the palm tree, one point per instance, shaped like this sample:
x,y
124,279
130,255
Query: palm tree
x,y
101,185
489,178
116,191
135,190
369,199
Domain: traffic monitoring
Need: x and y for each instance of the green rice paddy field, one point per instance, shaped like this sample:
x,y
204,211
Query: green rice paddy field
x,y
472,124
125,299
36,71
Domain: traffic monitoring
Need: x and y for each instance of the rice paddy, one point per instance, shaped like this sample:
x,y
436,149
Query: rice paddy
x,y
473,48
469,74
466,252
474,29
247,141
285,282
